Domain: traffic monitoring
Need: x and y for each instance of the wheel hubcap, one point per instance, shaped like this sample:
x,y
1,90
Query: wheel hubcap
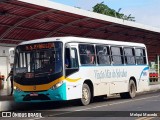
x,y
132,90
85,94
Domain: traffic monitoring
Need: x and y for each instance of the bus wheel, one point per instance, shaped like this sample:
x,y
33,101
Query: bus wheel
x,y
132,91
86,95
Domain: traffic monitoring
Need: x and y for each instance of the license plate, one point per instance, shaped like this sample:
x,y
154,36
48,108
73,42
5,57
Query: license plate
x,y
33,94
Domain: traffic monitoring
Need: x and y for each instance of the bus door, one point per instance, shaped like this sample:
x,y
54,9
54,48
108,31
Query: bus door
x,y
71,60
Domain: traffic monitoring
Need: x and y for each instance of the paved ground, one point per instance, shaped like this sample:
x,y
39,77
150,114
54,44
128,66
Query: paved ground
x,y
100,109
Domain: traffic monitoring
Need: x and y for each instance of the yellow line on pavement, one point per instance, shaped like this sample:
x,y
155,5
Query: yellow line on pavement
x,y
145,118
141,118
150,118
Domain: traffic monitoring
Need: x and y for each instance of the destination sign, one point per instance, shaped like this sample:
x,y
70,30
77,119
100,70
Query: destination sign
x,y
39,46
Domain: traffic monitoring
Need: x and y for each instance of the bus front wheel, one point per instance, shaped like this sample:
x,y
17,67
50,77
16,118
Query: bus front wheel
x,y
86,95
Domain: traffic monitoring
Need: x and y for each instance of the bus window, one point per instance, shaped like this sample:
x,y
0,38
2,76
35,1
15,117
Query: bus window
x,y
103,55
117,55
74,58
129,56
67,57
71,61
40,61
87,54
140,56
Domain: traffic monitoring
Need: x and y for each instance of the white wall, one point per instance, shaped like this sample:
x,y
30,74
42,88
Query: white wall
x,y
5,62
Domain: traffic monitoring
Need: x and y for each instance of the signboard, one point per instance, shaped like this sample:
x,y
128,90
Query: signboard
x,y
39,46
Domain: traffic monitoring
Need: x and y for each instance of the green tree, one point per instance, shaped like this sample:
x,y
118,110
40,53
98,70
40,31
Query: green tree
x,y
104,9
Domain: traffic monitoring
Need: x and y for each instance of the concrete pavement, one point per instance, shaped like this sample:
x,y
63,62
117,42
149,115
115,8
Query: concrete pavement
x,y
7,102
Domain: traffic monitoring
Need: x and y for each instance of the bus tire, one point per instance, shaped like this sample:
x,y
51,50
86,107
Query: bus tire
x,y
132,91
86,95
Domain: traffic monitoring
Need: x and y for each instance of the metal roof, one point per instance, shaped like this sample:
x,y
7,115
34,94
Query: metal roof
x,y
22,20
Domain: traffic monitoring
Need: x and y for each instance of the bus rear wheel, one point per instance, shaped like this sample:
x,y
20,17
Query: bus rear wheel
x,y
132,91
86,95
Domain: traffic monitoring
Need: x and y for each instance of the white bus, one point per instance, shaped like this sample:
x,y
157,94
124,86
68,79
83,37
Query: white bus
x,y
66,68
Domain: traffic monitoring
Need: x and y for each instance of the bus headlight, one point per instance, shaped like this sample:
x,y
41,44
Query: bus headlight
x,y
57,85
17,89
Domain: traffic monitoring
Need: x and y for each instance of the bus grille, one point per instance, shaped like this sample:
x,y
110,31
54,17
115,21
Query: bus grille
x,y
39,97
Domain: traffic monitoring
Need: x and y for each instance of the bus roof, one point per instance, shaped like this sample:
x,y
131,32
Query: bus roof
x,y
82,40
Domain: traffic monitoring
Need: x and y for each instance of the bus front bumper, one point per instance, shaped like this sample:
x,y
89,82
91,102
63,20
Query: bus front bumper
x,y
57,94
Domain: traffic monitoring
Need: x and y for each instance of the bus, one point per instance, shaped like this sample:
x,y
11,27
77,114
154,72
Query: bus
x,y
67,68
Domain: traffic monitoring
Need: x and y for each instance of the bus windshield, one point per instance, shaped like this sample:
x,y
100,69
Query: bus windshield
x,y
39,58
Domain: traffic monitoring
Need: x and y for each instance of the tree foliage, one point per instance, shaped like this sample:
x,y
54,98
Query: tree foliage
x,y
104,9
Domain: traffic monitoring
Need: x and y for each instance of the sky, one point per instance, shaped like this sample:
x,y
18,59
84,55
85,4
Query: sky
x,y
145,11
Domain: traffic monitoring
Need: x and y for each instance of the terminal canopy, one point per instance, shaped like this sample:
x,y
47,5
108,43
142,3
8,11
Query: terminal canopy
x,y
22,20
